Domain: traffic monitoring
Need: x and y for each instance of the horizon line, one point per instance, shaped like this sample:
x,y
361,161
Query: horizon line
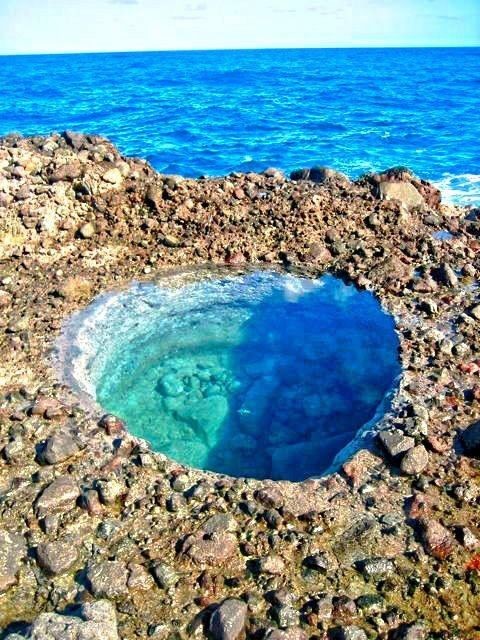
x,y
267,48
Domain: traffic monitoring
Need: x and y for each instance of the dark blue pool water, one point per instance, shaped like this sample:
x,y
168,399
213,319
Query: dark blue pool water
x,y
263,375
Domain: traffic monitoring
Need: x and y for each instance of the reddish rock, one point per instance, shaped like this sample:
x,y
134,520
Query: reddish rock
x,y
437,540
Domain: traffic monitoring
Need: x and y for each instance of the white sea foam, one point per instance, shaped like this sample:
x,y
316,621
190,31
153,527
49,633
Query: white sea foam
x,y
462,189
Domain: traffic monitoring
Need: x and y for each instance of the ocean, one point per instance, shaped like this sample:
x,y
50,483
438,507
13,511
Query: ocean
x,y
214,112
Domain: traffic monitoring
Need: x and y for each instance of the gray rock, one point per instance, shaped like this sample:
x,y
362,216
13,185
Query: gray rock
x,y
56,557
228,621
95,621
395,443
414,461
61,495
12,552
164,575
108,579
59,447
285,615
471,438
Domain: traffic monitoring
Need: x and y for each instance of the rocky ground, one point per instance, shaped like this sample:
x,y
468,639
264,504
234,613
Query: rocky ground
x,y
102,539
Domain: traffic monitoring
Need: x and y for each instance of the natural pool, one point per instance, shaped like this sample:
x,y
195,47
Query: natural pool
x,y
257,373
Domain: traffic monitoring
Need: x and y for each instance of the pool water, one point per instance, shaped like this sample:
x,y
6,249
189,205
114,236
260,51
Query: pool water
x,y
258,374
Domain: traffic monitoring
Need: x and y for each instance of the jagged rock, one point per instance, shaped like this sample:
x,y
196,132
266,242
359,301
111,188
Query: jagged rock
x,y
395,443
59,447
59,496
438,540
66,173
12,553
108,579
228,620
57,556
405,192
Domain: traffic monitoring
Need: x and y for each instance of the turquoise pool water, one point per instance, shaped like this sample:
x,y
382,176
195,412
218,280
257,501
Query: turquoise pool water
x,y
258,374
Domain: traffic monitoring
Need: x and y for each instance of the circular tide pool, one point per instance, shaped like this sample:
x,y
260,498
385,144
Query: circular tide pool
x,y
259,374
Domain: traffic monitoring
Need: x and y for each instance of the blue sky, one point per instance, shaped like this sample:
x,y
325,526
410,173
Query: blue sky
x,y
54,26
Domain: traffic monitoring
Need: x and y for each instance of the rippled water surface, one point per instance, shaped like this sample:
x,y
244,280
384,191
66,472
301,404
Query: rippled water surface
x,y
214,112
260,374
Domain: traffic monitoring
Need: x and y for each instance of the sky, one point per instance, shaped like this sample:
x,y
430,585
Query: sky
x,y
59,26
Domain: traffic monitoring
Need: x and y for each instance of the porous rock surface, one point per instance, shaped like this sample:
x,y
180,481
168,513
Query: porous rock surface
x,y
102,538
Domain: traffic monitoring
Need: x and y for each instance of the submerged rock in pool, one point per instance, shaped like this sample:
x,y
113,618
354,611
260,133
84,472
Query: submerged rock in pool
x,y
257,374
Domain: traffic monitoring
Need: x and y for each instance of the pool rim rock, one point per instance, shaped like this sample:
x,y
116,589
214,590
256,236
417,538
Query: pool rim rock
x,y
65,350
389,540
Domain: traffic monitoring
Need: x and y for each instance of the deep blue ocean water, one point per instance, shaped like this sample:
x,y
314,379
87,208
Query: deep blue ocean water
x,y
261,374
215,112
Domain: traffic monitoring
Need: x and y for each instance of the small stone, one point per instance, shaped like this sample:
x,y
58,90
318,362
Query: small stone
x,y
414,461
164,575
169,240
112,176
108,579
228,620
59,447
56,557
59,496
87,230
395,442
5,298
110,490
468,539
272,565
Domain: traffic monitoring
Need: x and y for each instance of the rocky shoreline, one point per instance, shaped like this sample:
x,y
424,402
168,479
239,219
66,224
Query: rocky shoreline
x,y
102,538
